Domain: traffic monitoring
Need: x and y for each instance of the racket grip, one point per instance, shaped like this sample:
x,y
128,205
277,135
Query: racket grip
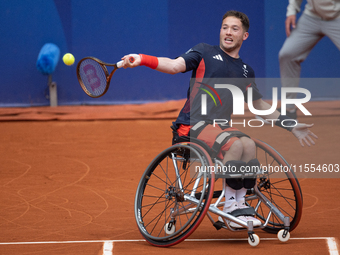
x,y
119,64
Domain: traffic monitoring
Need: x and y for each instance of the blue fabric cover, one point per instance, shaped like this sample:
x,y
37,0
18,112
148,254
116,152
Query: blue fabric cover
x,y
48,58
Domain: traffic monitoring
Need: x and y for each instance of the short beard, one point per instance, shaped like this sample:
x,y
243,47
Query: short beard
x,y
229,49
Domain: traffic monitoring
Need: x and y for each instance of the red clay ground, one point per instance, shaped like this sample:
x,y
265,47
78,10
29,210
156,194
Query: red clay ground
x,y
76,181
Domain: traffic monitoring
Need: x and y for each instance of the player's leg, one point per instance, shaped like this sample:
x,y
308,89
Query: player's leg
x,y
295,50
238,153
242,150
249,149
249,153
233,152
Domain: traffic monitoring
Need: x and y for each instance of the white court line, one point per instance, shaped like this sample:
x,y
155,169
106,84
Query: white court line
x,y
143,240
107,248
108,244
332,246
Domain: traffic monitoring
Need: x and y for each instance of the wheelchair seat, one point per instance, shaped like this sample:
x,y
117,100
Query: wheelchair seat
x,y
179,139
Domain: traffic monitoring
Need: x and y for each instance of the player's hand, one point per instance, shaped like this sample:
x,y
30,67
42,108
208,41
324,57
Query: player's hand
x,y
290,24
131,60
303,134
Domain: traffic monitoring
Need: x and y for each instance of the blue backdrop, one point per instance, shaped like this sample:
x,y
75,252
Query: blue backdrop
x,y
109,29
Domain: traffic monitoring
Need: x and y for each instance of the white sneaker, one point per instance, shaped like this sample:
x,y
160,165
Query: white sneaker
x,y
242,204
256,222
232,207
235,206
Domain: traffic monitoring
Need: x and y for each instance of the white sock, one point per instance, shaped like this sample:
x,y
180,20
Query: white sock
x,y
230,196
240,196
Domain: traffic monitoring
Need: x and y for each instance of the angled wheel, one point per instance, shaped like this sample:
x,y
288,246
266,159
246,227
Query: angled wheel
x,y
282,236
174,194
254,240
280,186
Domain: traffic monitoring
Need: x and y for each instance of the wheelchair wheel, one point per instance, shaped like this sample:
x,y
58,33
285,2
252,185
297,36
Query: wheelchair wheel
x,y
174,194
280,186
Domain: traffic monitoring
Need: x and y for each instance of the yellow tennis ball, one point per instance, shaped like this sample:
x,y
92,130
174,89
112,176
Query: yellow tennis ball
x,y
68,59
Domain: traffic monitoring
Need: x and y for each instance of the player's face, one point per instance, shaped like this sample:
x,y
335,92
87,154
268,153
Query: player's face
x,y
232,36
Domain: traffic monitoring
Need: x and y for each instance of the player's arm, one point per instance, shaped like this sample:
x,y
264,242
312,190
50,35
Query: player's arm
x,y
300,130
161,64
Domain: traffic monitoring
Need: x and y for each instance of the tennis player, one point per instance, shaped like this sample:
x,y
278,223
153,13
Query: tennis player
x,y
210,63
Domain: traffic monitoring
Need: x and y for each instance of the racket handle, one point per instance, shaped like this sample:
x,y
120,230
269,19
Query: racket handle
x,y
119,64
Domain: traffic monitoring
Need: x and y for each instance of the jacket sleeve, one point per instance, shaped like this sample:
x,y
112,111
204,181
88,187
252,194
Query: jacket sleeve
x,y
293,7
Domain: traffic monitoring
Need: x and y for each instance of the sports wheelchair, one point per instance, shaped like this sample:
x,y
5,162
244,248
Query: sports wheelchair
x,y
175,193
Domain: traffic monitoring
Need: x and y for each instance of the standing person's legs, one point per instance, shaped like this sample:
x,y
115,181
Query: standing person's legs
x,y
295,50
331,29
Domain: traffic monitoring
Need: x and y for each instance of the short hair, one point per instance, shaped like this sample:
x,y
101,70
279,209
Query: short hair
x,y
241,16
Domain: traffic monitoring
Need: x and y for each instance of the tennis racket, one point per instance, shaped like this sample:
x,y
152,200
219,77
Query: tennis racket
x,y
94,77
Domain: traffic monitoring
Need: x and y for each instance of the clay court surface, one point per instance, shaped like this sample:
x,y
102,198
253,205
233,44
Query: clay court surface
x,y
69,175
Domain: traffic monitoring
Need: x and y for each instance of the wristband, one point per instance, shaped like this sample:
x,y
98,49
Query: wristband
x,y
286,122
149,61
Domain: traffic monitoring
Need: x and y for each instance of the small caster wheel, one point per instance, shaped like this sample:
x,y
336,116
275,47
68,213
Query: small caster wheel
x,y
169,228
254,240
282,236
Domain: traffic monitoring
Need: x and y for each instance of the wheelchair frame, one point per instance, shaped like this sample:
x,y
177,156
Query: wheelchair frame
x,y
177,200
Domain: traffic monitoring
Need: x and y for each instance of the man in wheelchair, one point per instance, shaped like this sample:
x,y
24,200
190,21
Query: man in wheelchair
x,y
211,65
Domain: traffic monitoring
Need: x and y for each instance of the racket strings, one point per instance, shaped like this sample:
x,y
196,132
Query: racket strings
x,y
93,77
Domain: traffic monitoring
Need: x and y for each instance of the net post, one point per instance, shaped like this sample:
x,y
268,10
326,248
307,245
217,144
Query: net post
x,y
53,92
